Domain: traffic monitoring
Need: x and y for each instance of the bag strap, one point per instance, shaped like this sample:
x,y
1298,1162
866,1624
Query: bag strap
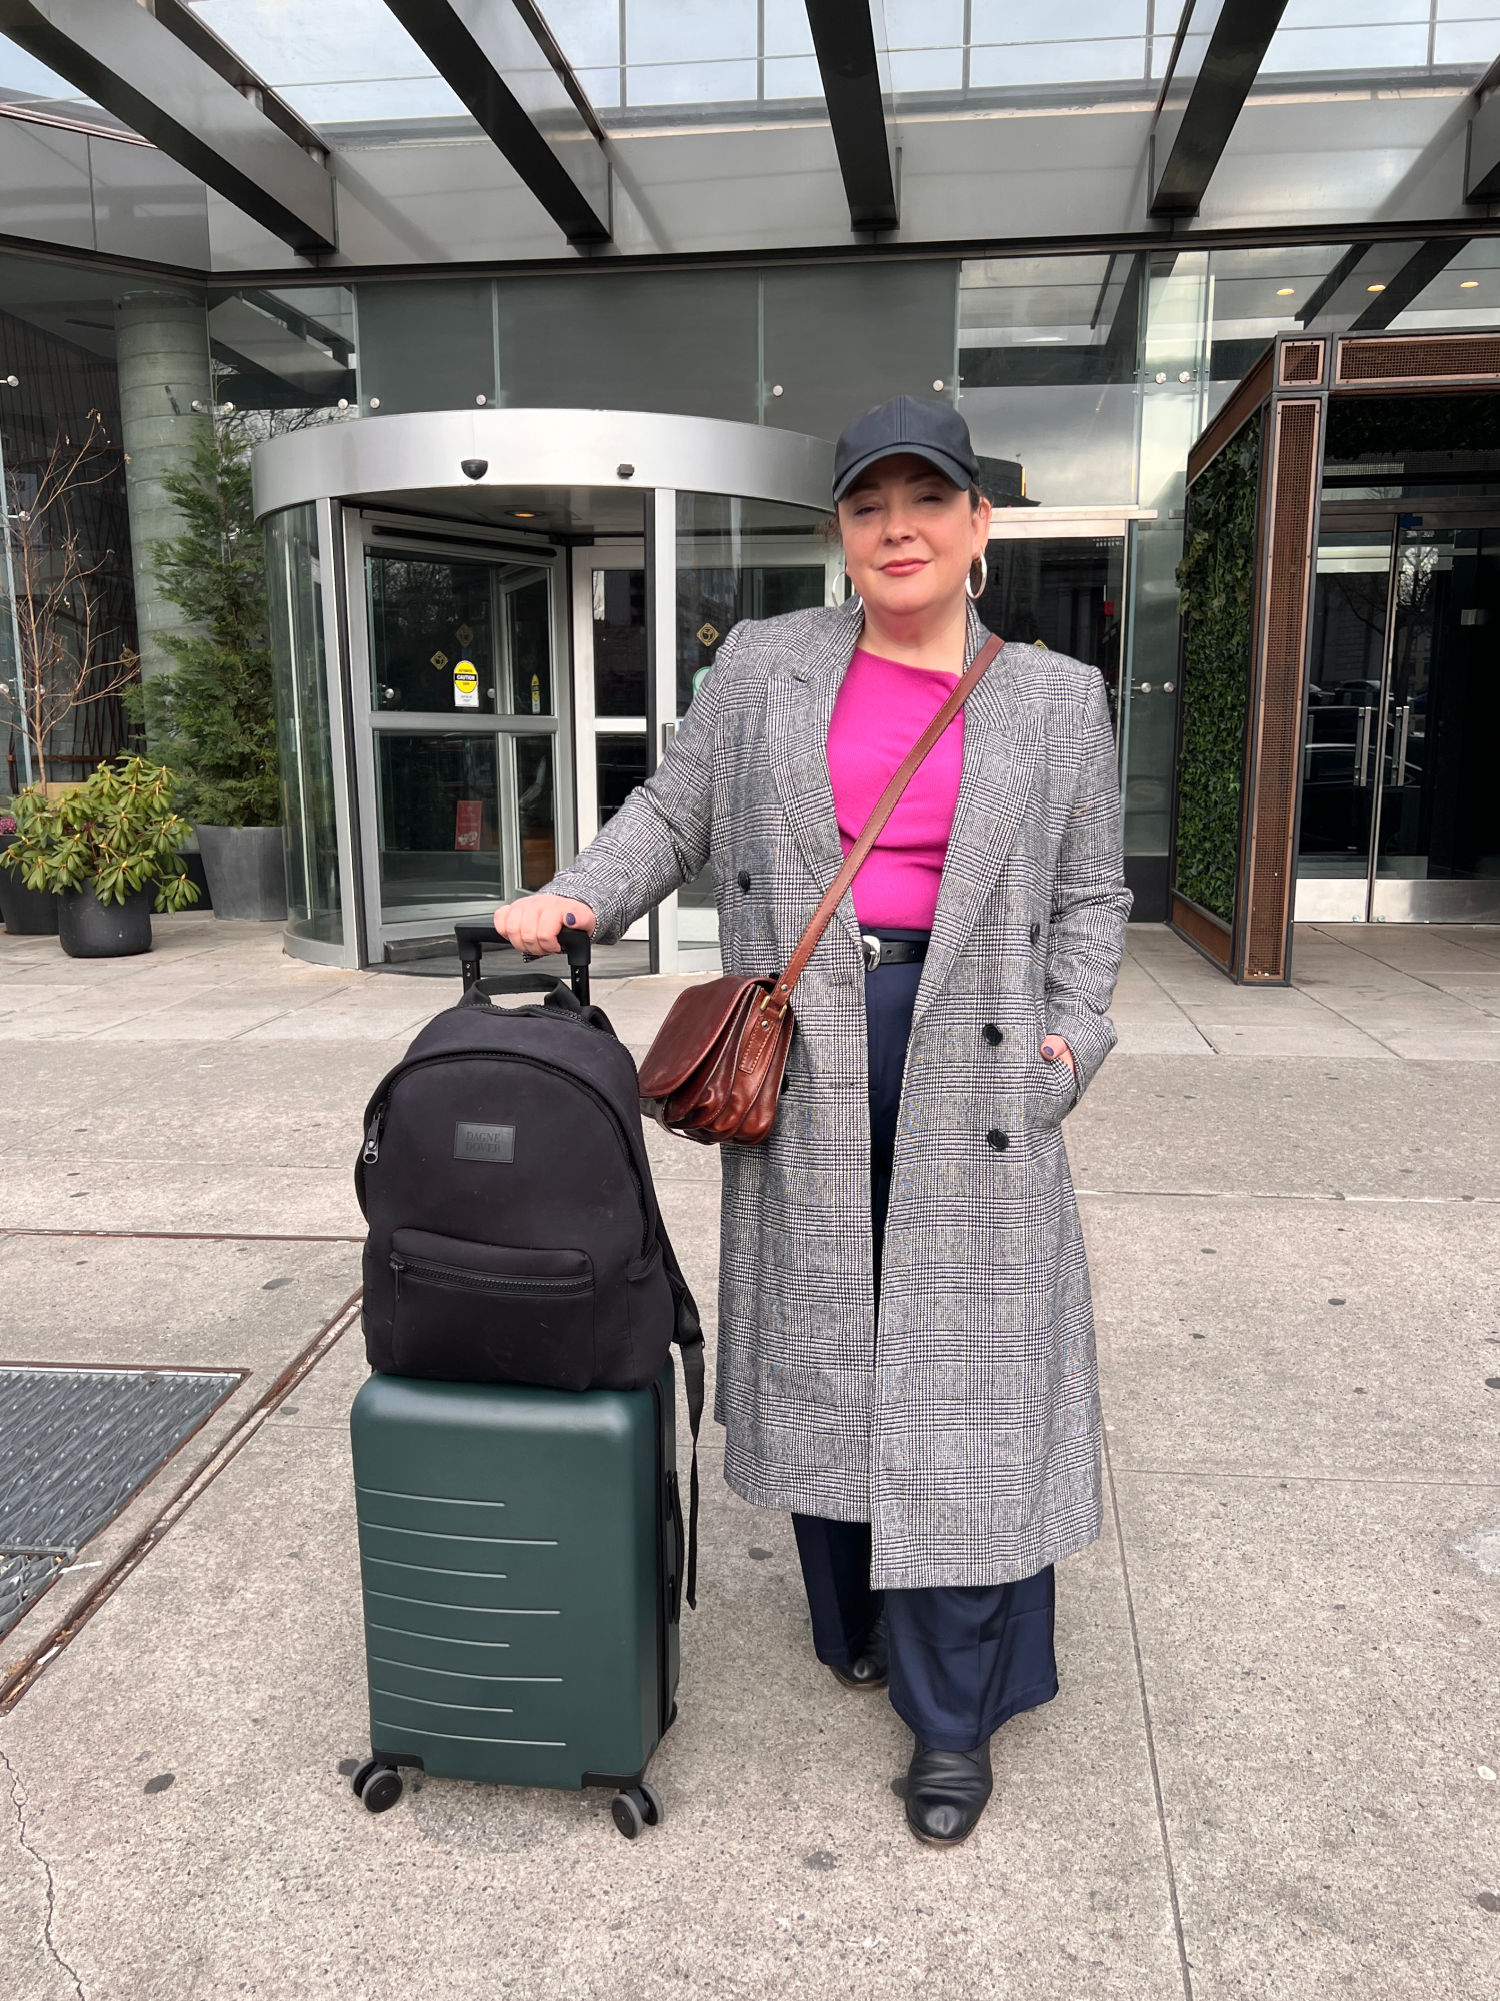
x,y
871,831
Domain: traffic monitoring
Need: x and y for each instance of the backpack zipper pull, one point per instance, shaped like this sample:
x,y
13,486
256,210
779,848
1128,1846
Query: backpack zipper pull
x,y
372,1139
398,1265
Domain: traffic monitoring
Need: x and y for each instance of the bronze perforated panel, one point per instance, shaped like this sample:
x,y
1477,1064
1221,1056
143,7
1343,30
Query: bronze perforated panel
x,y
1302,361
1422,358
1276,719
1209,933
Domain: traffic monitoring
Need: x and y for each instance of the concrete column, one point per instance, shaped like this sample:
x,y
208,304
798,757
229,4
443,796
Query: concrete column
x,y
162,358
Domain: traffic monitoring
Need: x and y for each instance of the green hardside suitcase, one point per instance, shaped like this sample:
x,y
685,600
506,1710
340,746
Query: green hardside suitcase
x,y
521,1554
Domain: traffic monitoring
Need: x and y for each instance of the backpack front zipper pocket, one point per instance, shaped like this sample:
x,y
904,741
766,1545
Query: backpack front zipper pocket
x,y
491,1313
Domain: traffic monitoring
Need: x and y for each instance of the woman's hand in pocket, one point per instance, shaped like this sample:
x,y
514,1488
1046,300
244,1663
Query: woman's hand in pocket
x,y
1055,1050
535,924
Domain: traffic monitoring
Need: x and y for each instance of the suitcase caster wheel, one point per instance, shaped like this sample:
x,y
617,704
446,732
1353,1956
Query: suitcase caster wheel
x,y
382,1789
363,1775
651,1805
626,1813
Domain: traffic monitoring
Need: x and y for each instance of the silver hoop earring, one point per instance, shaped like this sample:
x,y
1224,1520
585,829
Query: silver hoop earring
x,y
854,597
984,577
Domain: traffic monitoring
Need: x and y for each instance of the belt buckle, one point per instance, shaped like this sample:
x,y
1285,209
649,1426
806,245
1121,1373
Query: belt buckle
x,y
871,946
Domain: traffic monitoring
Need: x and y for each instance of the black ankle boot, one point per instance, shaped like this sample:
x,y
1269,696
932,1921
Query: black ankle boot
x,y
872,1668
946,1792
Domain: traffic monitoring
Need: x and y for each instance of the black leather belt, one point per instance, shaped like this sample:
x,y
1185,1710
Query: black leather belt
x,y
891,951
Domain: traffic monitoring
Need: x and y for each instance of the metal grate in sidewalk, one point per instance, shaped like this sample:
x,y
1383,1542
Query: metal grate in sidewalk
x,y
75,1445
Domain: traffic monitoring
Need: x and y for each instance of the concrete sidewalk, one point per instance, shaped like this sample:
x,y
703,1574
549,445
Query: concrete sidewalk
x,y
1271,1769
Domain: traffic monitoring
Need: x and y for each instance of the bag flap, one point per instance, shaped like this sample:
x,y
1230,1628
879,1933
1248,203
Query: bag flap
x,y
696,1024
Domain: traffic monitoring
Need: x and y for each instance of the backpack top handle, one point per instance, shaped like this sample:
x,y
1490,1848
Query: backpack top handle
x,y
475,939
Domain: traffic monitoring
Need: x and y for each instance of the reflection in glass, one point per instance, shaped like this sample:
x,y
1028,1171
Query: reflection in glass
x,y
528,645
741,559
621,767
1065,594
439,818
1346,661
309,811
431,645
619,613
536,808
1439,804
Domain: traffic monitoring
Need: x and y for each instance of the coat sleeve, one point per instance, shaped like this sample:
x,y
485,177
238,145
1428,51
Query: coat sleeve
x,y
1090,902
660,838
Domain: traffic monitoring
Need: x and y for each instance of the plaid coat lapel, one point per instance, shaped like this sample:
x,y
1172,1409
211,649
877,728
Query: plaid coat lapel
x,y
799,708
1002,750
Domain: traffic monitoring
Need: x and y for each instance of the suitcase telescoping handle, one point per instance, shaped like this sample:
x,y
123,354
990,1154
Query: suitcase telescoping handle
x,y
474,940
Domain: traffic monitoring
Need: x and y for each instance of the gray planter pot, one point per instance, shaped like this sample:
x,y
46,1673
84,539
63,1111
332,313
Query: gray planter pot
x,y
89,929
29,912
245,874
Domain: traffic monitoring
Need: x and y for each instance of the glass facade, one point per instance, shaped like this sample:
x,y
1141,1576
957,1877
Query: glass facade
x,y
309,802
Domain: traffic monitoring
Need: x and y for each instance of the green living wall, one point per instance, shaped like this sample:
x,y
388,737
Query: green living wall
x,y
1216,580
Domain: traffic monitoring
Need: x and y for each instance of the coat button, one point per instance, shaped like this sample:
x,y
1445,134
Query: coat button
x,y
1036,932
743,879
998,1141
992,1035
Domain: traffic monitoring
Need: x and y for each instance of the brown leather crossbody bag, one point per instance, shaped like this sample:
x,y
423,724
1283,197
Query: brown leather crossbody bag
x,y
714,1072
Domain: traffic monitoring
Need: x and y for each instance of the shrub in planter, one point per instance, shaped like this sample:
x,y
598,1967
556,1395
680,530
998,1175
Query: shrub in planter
x,y
30,912
106,851
212,718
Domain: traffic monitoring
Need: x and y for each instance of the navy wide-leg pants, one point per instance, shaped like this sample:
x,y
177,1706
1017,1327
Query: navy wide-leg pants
x,y
964,1658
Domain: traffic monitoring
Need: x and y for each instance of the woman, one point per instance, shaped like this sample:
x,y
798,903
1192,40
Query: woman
x,y
906,1350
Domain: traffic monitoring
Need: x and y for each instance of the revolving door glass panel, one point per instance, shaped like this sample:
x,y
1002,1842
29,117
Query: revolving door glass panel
x,y
737,559
462,716
1064,592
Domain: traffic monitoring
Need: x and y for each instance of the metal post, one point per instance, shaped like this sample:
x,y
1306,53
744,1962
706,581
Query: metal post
x,y
15,623
661,685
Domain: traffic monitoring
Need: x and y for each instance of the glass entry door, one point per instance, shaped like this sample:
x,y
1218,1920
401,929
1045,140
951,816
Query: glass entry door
x,y
1400,812
461,793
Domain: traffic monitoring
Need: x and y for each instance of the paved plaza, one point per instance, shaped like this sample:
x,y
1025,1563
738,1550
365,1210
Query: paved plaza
x,y
1271,1771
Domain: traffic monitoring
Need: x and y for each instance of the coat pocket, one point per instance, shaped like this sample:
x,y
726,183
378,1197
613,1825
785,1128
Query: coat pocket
x,y
490,1313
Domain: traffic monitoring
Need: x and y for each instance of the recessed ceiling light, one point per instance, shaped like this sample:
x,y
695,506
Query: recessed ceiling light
x,y
522,515
1283,291
1374,288
1467,284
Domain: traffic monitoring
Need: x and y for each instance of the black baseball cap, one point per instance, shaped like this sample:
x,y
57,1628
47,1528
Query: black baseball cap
x,y
916,424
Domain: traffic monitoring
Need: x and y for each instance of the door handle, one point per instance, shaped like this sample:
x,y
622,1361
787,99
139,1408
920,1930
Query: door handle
x,y
1403,740
1362,750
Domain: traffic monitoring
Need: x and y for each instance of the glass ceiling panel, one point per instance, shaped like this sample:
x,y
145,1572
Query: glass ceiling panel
x,y
349,64
23,80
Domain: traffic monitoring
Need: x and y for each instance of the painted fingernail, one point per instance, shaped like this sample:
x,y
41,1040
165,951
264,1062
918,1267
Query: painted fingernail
x,y
569,918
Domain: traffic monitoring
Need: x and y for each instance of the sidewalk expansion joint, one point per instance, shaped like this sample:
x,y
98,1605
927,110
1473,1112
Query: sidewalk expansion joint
x,y
1275,1195
18,1801
1140,1676
191,1236
25,1676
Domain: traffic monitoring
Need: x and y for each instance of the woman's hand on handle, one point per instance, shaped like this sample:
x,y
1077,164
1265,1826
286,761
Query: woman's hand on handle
x,y
535,924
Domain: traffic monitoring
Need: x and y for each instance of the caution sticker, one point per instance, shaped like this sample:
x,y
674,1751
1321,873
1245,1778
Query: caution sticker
x,y
465,685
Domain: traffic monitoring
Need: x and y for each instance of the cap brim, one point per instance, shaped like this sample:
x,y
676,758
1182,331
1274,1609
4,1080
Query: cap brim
x,y
949,467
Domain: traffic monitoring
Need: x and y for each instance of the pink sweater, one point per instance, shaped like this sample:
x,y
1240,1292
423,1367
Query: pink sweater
x,y
882,709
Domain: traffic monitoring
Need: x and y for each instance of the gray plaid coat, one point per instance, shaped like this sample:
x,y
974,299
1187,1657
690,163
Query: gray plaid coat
x,y
965,1426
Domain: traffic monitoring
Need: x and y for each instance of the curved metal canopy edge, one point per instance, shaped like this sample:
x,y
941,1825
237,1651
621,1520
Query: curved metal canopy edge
x,y
423,452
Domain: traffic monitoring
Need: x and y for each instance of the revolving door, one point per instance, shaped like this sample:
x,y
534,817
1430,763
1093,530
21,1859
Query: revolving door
x,y
486,626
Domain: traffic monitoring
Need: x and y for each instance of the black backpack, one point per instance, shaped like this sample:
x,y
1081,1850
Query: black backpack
x,y
514,1234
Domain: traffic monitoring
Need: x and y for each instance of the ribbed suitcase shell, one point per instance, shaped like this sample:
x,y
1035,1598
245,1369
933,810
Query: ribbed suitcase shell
x,y
520,1552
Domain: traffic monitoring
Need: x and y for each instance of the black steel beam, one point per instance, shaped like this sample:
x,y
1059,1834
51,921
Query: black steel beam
x,y
1482,159
1219,50
473,68
121,56
1406,284
844,39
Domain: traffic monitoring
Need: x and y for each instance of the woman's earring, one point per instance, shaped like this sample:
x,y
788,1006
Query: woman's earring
x,y
853,598
982,566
